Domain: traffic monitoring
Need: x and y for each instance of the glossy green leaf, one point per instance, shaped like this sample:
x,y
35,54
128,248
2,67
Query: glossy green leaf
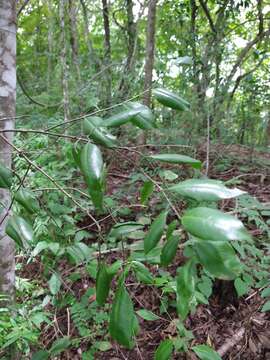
x,y
92,168
103,283
5,177
20,231
121,118
142,273
169,250
155,232
205,352
218,258
122,229
145,119
211,224
185,283
146,191
164,350
92,127
177,159
28,200
55,284
205,190
170,99
147,315
122,324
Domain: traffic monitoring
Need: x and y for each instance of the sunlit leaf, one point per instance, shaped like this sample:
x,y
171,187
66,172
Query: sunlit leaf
x,y
177,159
205,190
211,224
170,99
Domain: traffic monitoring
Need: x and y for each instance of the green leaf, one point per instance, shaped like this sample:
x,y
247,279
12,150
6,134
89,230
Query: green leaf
x,y
76,153
168,175
20,231
103,345
241,287
204,352
103,283
93,169
142,273
146,191
155,232
60,345
211,224
121,118
205,190
121,324
5,177
219,258
170,99
28,200
205,286
171,227
40,355
164,350
147,315
265,292
55,284
92,127
266,306
169,250
122,229
145,119
185,283
177,159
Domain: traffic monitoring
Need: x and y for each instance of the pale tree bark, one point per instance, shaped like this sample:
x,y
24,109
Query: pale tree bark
x,y
149,56
74,38
131,30
107,53
93,59
50,44
150,51
7,116
63,56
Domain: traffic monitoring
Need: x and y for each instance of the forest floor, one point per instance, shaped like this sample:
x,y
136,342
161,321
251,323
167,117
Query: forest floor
x,y
233,326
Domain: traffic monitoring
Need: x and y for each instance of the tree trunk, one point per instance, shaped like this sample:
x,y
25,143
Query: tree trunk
x,y
131,30
150,51
63,56
50,44
107,53
93,59
74,38
7,116
149,62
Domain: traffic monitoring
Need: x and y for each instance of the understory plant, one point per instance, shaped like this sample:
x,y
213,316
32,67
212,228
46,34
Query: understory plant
x,y
210,239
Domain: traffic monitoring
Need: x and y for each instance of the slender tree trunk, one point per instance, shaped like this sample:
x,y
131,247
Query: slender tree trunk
x,y
131,30
149,62
50,44
74,38
93,59
150,51
63,56
7,116
107,53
